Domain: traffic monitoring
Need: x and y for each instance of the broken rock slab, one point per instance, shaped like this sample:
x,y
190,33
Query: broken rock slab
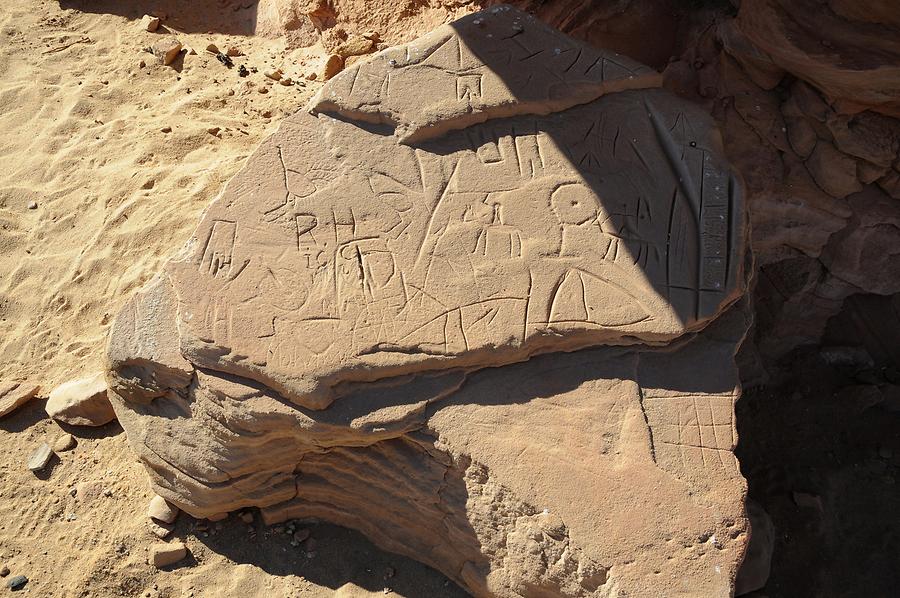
x,y
502,345
81,402
15,394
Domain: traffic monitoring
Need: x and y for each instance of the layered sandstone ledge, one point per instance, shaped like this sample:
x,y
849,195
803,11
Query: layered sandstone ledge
x,y
480,302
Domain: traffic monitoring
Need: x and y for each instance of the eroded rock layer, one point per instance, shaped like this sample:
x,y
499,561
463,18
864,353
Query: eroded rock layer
x,y
489,320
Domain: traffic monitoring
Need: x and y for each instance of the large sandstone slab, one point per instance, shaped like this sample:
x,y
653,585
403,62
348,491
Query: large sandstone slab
x,y
495,335
338,255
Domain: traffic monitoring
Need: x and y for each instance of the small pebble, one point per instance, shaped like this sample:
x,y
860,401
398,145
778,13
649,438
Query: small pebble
x,y
163,555
234,51
4,571
166,51
247,517
300,535
212,49
213,130
166,129
32,205
17,583
161,530
64,443
149,23
162,510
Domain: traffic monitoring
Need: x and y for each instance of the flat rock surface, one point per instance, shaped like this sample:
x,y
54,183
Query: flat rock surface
x,y
501,344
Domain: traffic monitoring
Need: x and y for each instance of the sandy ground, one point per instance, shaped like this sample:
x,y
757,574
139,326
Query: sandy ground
x,y
95,193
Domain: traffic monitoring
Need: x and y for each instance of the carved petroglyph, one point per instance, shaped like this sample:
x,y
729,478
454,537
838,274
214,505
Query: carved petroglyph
x,y
402,250
460,305
492,65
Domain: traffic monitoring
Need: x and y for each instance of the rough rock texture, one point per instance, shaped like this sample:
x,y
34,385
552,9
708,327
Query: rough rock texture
x,y
837,45
82,402
821,172
646,30
489,321
757,563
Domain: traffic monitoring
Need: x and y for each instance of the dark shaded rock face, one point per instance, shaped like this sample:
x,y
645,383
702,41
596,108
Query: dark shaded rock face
x,y
480,302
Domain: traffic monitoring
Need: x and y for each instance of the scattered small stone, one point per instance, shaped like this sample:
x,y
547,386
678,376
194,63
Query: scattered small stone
x,y
167,51
148,184
356,45
32,205
311,76
263,90
17,583
213,131
149,23
163,555
300,535
247,517
166,129
161,530
191,51
242,71
162,510
275,75
234,51
142,64
40,457
226,60
332,67
4,571
64,443
212,49
286,81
